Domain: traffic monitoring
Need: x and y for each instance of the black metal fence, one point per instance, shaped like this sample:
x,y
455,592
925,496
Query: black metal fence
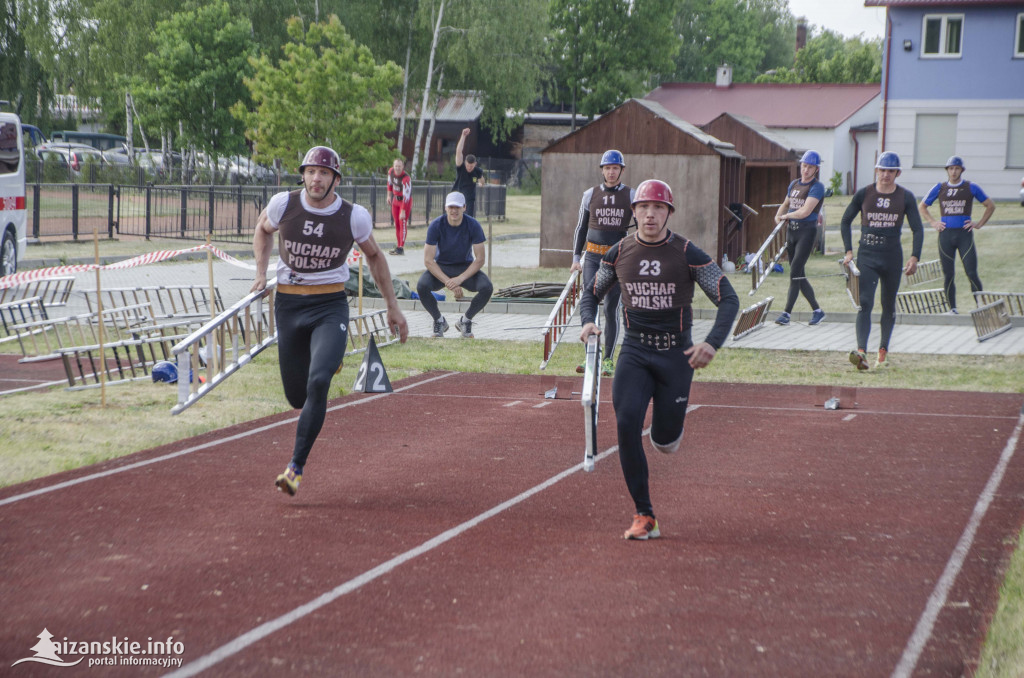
x,y
224,213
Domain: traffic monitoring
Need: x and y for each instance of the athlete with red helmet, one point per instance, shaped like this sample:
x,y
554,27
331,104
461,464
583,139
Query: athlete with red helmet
x,y
657,271
315,230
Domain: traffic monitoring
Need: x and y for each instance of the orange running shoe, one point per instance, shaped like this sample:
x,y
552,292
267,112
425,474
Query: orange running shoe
x,y
859,359
644,527
882,361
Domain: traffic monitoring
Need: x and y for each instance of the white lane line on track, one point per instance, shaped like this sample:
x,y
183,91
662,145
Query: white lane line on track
x,y
512,404
926,624
263,630
894,413
849,417
260,632
197,448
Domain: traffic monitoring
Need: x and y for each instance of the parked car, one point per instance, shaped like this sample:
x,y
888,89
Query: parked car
x,y
117,158
237,169
243,170
75,155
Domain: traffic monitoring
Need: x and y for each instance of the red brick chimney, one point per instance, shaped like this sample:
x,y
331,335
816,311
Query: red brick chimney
x,y
801,33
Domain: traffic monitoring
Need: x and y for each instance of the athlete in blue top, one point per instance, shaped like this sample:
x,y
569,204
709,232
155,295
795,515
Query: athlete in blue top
x,y
956,196
801,208
454,254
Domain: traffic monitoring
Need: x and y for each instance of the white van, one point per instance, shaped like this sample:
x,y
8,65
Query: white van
x,y
13,235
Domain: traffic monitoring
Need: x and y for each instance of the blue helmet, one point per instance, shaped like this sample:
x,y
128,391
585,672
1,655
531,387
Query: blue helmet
x,y
888,160
612,158
955,161
811,158
165,370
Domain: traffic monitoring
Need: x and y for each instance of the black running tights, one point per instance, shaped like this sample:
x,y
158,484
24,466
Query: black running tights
x,y
312,334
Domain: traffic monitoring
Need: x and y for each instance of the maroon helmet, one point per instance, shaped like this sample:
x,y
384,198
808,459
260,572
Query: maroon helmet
x,y
654,190
321,156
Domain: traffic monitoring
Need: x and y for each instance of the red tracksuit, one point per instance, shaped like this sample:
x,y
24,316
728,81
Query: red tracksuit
x,y
400,192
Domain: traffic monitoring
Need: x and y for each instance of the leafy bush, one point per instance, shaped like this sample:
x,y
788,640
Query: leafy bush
x,y
836,183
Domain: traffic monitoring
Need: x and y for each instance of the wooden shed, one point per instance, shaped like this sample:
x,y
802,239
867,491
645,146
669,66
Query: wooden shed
x,y
772,161
706,176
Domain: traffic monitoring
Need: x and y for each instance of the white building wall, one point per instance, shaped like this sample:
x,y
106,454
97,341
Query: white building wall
x,y
837,147
822,141
981,139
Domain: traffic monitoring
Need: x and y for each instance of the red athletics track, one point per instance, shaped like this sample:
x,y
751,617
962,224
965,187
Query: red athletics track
x,y
447,529
18,376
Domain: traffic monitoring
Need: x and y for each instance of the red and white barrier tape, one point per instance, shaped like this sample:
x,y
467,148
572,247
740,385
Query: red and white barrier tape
x,y
142,260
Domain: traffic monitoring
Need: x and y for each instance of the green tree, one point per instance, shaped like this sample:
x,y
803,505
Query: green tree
x,y
114,50
830,58
504,66
325,90
22,80
751,36
197,66
606,51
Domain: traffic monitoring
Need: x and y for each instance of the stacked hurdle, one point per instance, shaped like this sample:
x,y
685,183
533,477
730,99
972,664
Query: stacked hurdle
x,y
561,314
752,318
362,327
19,312
922,301
168,301
927,271
53,291
1014,300
123,360
991,319
44,339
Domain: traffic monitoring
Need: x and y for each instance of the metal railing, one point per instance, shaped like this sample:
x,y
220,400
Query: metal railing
x,y
224,213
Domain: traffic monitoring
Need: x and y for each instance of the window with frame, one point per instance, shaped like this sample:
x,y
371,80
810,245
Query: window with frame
x,y
934,139
1018,43
1015,141
942,35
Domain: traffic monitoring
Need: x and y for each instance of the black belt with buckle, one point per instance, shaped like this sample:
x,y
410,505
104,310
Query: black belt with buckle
x,y
873,239
661,341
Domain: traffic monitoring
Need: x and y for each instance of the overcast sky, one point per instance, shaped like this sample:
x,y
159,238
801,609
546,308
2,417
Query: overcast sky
x,y
846,17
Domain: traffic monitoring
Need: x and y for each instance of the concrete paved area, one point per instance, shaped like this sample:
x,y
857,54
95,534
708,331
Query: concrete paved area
x,y
521,320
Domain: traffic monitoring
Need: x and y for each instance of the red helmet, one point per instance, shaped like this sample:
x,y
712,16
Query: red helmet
x,y
654,190
321,156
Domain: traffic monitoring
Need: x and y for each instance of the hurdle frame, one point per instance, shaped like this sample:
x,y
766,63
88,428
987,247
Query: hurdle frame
x,y
558,321
752,318
1014,300
852,275
922,302
991,320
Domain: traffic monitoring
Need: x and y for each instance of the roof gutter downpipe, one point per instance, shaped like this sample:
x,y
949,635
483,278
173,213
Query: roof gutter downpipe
x,y
888,75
